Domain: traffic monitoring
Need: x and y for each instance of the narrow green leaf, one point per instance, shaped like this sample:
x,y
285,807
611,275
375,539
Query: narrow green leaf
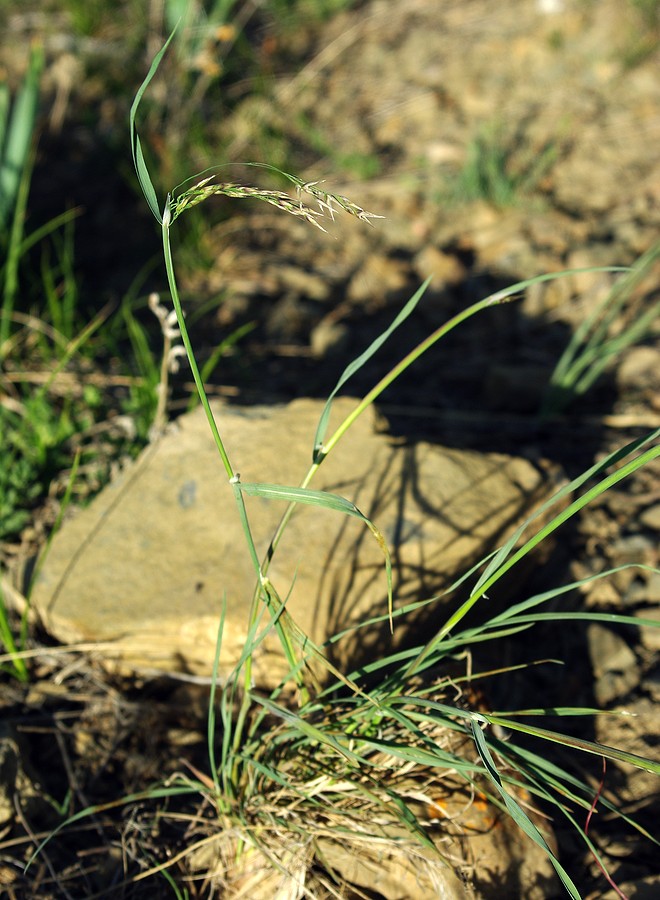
x,y
514,611
136,149
311,732
357,363
210,734
302,495
499,565
154,793
566,740
20,130
325,500
145,181
613,618
4,114
516,812
557,777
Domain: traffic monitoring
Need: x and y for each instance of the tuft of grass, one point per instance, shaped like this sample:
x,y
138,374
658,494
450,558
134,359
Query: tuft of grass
x,y
367,759
644,38
620,321
345,761
359,165
502,168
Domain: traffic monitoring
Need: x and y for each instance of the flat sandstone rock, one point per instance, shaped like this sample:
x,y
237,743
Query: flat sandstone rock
x,y
143,570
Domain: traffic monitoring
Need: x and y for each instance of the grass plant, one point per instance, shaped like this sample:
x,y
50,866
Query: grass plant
x,y
617,323
502,168
643,39
365,759
348,762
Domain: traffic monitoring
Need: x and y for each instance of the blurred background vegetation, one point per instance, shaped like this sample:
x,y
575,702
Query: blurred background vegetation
x,y
79,351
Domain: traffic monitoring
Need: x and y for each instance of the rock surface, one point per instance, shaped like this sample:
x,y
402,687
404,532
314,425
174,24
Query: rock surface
x,y
145,567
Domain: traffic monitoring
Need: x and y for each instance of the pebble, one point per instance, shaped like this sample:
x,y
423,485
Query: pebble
x,y
650,518
639,368
632,548
644,589
642,889
17,778
377,280
650,635
614,664
444,267
329,338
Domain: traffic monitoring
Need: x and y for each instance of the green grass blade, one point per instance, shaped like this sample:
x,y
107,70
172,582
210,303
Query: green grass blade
x,y
566,491
499,566
4,114
513,612
10,273
311,732
567,740
211,730
325,500
36,236
322,499
559,778
611,618
363,358
216,356
589,350
516,812
20,130
502,561
16,666
155,793
599,358
136,147
503,296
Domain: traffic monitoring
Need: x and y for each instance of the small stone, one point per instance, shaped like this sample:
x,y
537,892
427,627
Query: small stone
x,y
650,518
329,338
602,593
633,548
377,280
641,889
650,635
651,684
609,652
634,727
291,318
549,232
594,285
16,778
614,664
309,284
445,268
639,368
644,589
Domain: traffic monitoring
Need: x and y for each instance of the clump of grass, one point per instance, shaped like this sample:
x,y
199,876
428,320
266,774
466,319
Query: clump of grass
x,y
348,762
501,168
644,38
617,323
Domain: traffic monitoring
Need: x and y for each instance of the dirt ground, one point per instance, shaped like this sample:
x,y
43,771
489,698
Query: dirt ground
x,y
385,104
